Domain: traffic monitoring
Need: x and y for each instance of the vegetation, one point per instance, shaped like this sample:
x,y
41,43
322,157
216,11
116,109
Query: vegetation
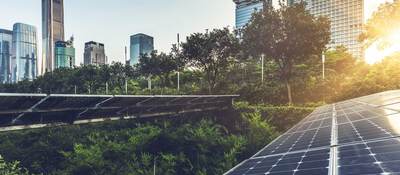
x,y
216,62
11,168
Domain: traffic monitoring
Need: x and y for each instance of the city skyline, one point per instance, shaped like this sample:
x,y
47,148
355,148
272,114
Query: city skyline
x,y
220,14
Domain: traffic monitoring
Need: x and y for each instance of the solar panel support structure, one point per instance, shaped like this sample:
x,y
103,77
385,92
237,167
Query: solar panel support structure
x,y
333,161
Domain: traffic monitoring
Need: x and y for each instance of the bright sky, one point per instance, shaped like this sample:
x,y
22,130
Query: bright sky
x,y
113,21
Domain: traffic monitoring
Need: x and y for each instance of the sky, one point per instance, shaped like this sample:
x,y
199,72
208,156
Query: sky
x,y
112,21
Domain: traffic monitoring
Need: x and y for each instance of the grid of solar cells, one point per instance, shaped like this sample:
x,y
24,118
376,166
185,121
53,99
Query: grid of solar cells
x,y
365,123
302,163
42,109
379,157
309,135
367,140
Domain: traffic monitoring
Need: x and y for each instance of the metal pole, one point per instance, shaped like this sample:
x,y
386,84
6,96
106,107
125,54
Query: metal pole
x,y
154,167
323,77
75,89
126,86
106,88
179,78
149,83
323,66
262,68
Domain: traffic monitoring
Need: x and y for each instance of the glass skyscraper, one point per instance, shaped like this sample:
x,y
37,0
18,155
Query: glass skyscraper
x,y
24,53
5,55
53,30
64,54
140,44
245,10
94,54
347,21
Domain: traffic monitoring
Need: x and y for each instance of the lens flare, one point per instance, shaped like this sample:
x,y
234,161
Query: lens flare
x,y
383,48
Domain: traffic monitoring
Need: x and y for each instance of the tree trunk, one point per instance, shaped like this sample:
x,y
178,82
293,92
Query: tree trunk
x,y
289,91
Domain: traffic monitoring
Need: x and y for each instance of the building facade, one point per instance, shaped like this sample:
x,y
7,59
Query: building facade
x,y
94,54
24,53
64,54
245,10
347,21
53,30
141,44
5,55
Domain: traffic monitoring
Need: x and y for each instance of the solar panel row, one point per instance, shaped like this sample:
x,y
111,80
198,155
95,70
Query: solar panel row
x,y
33,109
354,137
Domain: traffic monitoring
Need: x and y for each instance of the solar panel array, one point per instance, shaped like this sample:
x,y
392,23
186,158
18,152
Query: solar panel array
x,y
39,110
354,137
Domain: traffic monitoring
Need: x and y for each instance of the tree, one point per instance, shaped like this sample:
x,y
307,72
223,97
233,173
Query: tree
x,y
210,52
288,36
158,64
383,23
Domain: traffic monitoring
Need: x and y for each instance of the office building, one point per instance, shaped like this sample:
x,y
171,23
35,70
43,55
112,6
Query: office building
x,y
5,55
245,10
53,30
24,53
64,54
94,54
141,44
347,21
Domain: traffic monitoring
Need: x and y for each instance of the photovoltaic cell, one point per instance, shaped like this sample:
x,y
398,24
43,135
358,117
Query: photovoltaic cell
x,y
354,137
24,111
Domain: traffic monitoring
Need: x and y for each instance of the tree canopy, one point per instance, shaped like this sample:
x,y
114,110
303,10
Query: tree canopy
x,y
288,35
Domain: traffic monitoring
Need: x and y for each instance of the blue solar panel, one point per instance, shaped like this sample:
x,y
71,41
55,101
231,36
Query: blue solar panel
x,y
18,111
354,137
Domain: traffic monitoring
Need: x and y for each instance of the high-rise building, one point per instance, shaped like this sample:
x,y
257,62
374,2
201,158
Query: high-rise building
x,y
347,21
94,54
141,44
5,55
53,30
245,10
24,53
64,54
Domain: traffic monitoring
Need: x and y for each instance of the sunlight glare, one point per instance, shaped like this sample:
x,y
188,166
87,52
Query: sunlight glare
x,y
383,48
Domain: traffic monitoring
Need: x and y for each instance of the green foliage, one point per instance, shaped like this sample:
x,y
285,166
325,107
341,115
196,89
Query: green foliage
x,y
125,147
11,168
289,36
211,52
281,117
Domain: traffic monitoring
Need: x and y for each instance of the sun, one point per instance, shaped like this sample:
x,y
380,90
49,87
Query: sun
x,y
383,47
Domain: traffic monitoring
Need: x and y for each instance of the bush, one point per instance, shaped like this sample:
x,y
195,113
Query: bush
x,y
281,117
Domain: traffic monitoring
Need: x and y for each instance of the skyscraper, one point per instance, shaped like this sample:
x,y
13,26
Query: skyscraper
x,y
24,53
140,44
347,21
64,54
5,55
53,30
94,53
245,10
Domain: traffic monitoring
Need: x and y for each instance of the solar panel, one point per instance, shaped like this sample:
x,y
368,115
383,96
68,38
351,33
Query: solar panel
x,y
353,137
20,111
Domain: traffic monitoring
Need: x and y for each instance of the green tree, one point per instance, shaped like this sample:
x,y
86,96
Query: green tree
x,y
382,25
288,36
211,52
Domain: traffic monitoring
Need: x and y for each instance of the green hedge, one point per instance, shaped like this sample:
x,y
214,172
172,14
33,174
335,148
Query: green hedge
x,y
281,117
